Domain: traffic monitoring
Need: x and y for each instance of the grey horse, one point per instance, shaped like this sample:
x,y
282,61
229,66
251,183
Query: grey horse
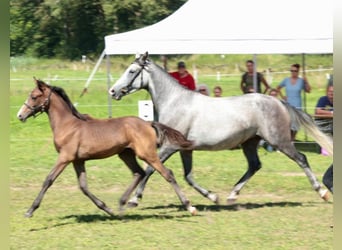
x,y
219,124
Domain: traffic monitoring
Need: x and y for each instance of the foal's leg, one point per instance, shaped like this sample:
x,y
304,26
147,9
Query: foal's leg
x,y
155,162
187,165
250,150
290,150
82,181
164,154
128,156
54,173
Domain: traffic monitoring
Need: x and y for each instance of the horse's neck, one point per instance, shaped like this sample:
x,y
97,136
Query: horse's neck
x,y
59,113
162,87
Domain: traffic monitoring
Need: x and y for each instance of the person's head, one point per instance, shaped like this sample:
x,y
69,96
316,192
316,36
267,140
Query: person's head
x,y
203,89
330,92
181,67
217,91
273,92
295,70
250,65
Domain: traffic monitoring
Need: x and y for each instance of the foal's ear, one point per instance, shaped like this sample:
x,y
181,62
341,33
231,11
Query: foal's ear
x,y
40,84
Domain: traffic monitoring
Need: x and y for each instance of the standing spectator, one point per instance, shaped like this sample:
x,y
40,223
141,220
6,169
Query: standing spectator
x,y
217,91
294,85
184,77
247,85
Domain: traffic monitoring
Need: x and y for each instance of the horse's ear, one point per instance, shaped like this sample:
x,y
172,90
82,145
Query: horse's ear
x,y
145,56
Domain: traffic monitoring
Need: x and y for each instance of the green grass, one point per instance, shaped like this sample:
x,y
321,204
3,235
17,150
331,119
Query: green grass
x,y
277,209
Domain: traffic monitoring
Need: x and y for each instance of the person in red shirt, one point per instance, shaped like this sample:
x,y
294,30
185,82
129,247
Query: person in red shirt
x,y
184,77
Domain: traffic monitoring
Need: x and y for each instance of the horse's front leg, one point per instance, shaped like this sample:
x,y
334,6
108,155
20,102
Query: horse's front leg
x,y
186,157
82,181
164,154
54,173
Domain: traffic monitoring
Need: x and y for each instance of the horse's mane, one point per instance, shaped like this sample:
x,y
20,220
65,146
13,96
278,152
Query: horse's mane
x,y
60,92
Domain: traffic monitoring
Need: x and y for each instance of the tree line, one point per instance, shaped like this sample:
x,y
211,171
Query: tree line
x,y
71,28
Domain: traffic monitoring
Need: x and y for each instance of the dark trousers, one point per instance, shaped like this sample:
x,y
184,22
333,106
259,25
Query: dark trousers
x,y
328,178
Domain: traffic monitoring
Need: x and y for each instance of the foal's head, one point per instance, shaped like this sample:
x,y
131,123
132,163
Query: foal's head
x,y
39,101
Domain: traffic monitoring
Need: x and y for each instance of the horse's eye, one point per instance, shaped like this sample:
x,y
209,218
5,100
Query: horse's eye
x,y
131,71
33,98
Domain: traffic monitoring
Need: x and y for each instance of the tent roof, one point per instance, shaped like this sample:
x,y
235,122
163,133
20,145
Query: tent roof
x,y
234,27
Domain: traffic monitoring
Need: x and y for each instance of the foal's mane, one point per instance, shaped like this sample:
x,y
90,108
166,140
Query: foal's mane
x,y
60,92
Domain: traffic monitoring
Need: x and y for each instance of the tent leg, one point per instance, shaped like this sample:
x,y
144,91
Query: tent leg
x,y
304,96
93,73
108,86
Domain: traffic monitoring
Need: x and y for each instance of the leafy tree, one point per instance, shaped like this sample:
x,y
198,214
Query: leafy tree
x,y
71,28
83,27
23,24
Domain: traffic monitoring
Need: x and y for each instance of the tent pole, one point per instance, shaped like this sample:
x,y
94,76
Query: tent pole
x,y
255,73
108,86
93,73
304,97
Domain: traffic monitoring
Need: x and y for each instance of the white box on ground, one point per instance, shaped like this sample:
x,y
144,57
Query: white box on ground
x,y
146,110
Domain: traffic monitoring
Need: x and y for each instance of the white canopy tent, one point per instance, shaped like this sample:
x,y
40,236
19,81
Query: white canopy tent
x,y
231,27
234,27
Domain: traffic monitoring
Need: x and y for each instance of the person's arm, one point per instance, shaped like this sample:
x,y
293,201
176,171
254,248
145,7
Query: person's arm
x,y
322,112
282,84
280,93
267,87
242,87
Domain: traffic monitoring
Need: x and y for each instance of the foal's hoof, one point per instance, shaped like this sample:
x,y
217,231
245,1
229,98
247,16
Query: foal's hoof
x,y
193,210
133,202
324,194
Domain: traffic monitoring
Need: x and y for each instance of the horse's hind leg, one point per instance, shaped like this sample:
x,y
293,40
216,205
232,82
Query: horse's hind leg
x,y
290,150
187,164
250,150
128,156
164,154
82,180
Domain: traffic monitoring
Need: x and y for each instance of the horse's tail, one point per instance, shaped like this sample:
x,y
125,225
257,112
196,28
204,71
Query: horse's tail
x,y
170,136
299,117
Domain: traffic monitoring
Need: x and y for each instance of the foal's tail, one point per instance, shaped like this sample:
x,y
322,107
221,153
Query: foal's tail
x,y
300,117
167,135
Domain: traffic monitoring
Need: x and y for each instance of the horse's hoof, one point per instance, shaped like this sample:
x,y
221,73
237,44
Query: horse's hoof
x,y
214,198
133,203
324,194
231,201
28,215
193,210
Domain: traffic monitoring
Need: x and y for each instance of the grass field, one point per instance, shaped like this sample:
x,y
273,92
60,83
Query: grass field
x,y
277,209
